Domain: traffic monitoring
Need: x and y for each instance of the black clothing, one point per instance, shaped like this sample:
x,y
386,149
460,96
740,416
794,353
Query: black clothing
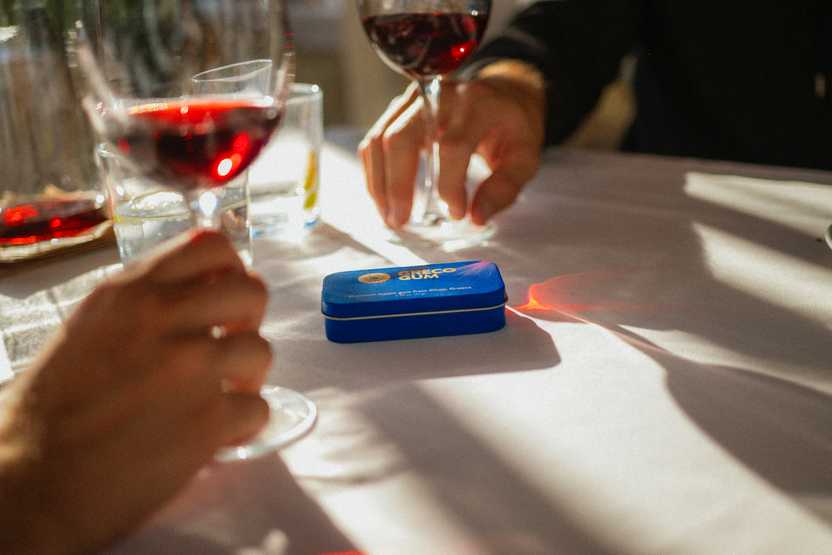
x,y
728,80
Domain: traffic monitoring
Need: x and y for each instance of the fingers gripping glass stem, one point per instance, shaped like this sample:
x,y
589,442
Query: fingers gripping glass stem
x,y
426,40
428,207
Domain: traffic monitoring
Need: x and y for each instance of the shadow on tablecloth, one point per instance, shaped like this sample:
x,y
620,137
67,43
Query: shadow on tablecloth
x,y
252,507
625,248
495,505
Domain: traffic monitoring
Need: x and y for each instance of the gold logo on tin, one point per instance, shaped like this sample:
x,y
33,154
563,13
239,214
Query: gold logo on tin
x,y
374,278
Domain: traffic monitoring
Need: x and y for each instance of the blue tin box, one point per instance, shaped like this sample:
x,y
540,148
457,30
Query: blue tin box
x,y
418,301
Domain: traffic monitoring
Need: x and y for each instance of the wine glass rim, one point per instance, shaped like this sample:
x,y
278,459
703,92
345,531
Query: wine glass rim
x,y
260,64
301,92
420,6
136,105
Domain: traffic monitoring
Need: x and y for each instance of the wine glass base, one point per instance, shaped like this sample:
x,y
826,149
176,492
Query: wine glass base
x,y
450,235
829,236
292,415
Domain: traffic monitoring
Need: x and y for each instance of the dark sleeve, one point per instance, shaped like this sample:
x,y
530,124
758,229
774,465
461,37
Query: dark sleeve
x,y
578,46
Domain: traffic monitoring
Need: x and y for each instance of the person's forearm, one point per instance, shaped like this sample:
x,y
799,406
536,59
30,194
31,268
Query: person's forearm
x,y
25,525
18,534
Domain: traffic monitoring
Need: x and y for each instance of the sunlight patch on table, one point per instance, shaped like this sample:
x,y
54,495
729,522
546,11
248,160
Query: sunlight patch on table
x,y
585,469
346,205
787,282
786,202
357,474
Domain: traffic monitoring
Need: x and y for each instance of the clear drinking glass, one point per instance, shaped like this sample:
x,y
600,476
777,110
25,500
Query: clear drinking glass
x,y
284,182
426,40
146,213
138,60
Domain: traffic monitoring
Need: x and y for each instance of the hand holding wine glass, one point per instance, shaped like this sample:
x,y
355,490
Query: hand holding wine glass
x,y
139,60
124,404
498,115
425,40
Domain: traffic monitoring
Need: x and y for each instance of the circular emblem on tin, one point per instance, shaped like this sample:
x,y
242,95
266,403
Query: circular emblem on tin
x,y
374,278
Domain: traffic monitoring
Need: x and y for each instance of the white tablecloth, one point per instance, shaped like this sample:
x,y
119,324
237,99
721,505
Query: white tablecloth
x,y
663,384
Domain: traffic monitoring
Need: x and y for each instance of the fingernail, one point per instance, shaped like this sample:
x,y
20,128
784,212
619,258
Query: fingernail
x,y
402,215
390,218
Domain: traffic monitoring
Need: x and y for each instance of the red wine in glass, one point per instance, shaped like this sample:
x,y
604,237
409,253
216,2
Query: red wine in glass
x,y
423,45
197,143
44,220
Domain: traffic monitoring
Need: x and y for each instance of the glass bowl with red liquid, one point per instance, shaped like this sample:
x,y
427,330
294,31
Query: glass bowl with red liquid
x,y
49,193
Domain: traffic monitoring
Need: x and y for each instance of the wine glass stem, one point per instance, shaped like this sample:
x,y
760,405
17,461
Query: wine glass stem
x,y
428,205
204,205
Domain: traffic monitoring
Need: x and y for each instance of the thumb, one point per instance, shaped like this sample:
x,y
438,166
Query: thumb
x,y
246,415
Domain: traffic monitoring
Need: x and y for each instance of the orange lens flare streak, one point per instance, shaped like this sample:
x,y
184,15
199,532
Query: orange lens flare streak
x,y
557,296
576,294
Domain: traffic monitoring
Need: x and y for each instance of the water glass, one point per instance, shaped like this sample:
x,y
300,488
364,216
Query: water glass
x,y
145,213
285,182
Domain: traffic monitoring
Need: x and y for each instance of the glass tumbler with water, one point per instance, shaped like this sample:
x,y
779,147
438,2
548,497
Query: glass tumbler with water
x,y
145,213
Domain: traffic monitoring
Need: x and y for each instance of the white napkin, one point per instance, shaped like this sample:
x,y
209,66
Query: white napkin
x,y
32,306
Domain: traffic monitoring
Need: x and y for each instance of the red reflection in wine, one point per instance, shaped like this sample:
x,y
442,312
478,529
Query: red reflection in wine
x,y
198,143
426,44
33,222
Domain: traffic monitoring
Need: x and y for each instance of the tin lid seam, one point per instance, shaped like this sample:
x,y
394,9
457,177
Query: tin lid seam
x,y
433,313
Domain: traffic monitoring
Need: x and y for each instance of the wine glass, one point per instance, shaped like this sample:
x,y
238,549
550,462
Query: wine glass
x,y
426,40
138,60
